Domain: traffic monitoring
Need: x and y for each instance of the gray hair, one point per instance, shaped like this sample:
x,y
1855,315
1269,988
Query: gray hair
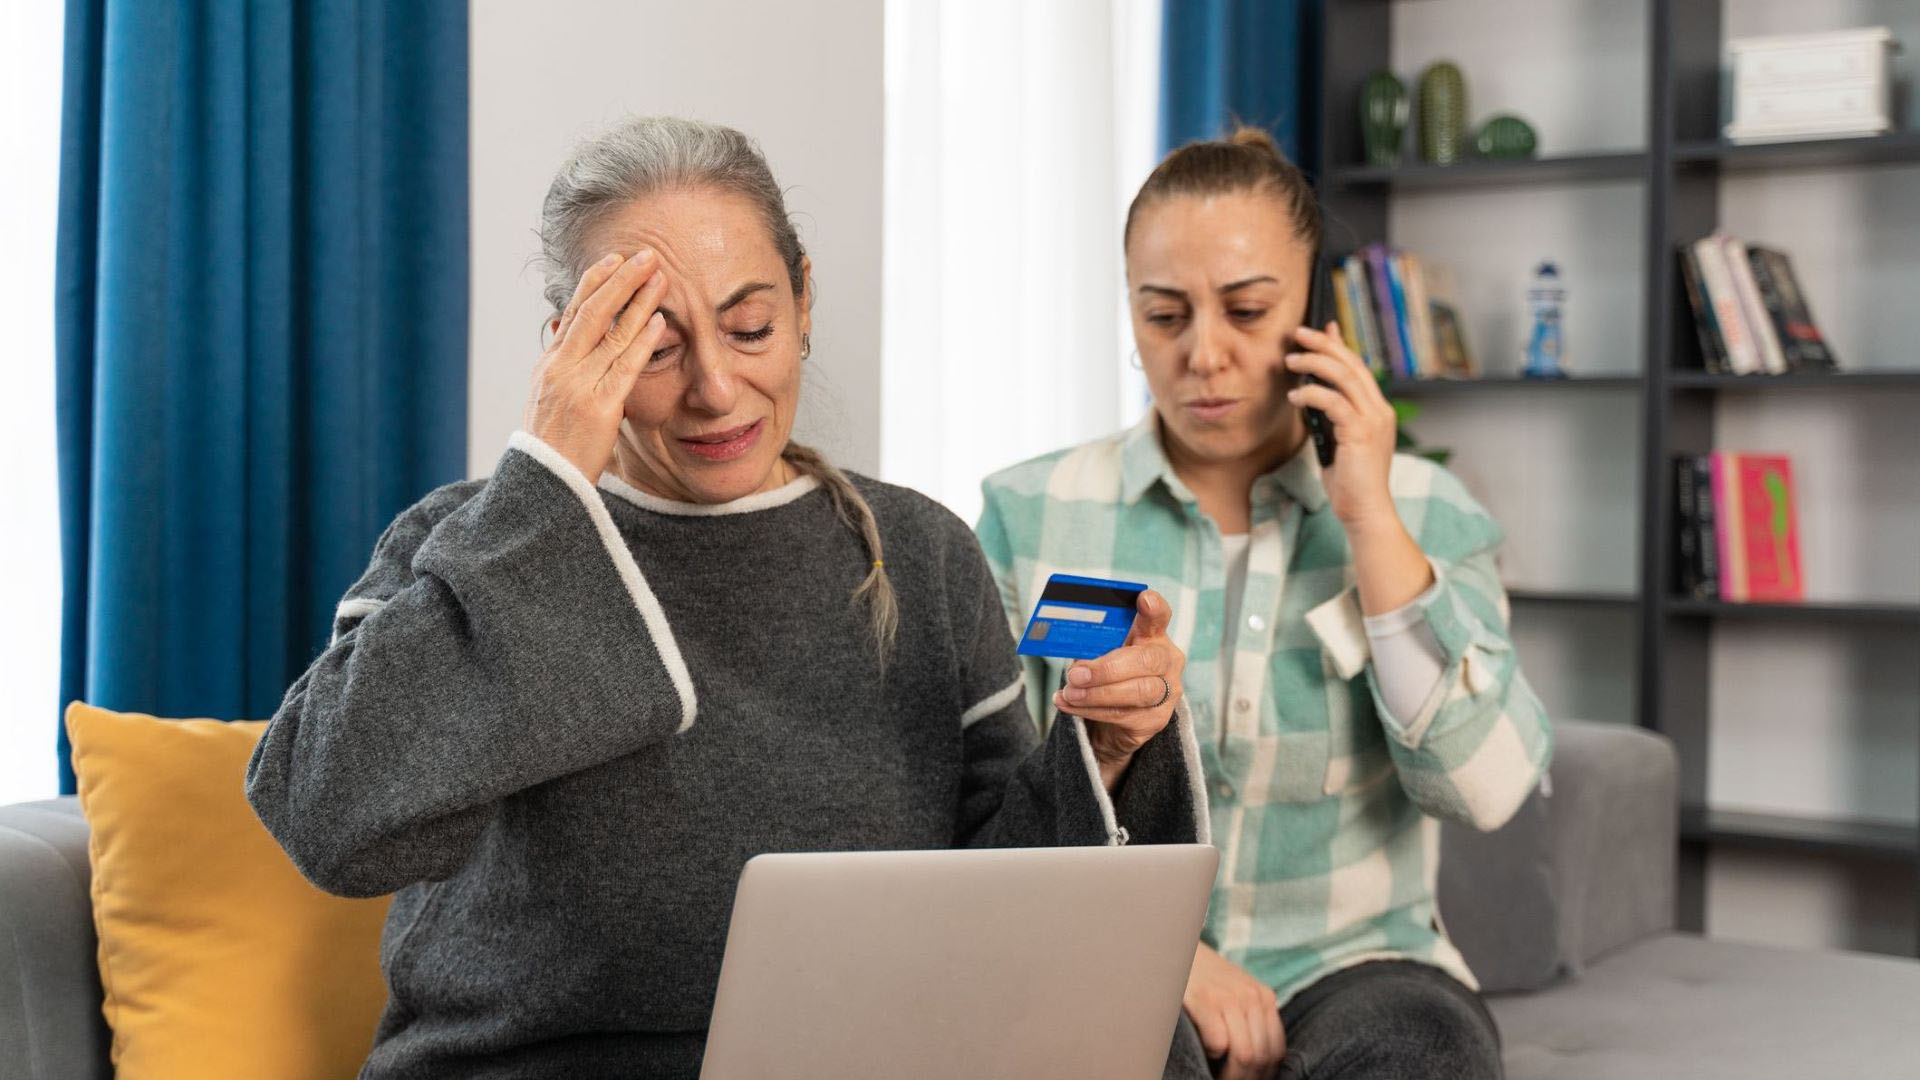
x,y
643,155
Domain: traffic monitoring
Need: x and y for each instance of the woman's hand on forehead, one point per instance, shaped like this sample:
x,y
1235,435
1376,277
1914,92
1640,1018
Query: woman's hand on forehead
x,y
604,337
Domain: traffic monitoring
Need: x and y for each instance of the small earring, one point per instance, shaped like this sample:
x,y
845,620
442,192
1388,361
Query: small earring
x,y
1135,362
806,346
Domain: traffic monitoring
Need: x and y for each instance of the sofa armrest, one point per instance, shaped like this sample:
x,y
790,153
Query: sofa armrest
x,y
51,1026
1614,822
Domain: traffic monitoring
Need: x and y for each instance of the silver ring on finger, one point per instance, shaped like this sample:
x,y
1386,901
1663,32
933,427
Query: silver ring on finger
x,y
1166,691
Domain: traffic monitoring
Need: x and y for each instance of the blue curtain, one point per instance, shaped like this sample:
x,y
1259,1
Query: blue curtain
x,y
261,329
1250,61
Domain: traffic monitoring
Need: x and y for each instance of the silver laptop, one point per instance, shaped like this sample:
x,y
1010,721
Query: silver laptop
x,y
1045,962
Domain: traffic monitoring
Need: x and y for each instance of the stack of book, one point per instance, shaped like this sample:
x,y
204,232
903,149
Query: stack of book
x,y
1398,312
1749,310
1738,531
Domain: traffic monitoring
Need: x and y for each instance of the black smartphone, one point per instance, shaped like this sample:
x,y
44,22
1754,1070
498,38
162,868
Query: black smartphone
x,y
1319,311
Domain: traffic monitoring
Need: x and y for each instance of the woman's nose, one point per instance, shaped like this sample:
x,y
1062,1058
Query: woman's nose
x,y
1209,353
715,388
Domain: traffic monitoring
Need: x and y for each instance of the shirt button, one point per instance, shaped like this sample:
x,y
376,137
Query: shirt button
x,y
1243,704
1256,624
1225,791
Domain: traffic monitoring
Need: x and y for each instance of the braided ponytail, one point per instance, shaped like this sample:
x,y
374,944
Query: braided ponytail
x,y
883,606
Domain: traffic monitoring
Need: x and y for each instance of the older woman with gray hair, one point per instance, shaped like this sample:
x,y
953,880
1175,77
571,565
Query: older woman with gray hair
x,y
564,705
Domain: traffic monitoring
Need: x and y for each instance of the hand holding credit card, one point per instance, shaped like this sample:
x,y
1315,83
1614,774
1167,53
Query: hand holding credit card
x,y
1125,679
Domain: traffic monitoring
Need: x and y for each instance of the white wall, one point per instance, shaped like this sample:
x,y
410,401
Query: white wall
x,y
1806,719
803,79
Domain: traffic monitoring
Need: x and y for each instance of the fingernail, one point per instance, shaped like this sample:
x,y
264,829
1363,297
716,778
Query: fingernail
x,y
643,255
1076,695
1079,676
610,258
1293,395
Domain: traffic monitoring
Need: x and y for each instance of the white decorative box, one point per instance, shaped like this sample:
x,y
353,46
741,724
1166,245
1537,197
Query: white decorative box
x,y
1812,86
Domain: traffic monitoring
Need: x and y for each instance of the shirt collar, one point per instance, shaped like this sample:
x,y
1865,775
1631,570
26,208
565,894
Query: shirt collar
x,y
1143,461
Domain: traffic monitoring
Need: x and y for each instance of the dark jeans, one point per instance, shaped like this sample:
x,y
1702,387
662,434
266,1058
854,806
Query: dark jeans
x,y
1381,1020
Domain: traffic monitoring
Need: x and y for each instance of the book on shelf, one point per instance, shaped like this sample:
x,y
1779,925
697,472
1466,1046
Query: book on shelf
x,y
1449,330
1766,341
1397,311
1749,311
1343,311
1359,293
1713,349
1705,522
1393,306
1716,282
1807,350
1737,529
1686,554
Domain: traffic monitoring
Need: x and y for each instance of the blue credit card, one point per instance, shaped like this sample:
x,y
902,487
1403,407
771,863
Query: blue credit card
x,y
1079,618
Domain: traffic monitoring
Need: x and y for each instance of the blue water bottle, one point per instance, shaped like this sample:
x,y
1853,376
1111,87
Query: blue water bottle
x,y
1546,346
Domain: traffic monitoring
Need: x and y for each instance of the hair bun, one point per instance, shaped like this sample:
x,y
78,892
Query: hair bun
x,y
1257,138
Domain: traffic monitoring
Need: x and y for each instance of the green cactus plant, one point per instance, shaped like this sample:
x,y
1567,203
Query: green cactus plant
x,y
1443,113
1383,117
1505,136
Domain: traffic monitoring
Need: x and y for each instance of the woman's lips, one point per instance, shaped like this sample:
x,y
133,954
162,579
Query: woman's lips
x,y
724,445
1211,409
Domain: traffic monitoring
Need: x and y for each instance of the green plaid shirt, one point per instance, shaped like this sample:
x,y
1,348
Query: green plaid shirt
x,y
1325,805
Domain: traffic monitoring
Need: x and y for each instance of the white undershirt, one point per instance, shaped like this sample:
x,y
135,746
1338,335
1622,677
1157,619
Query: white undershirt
x,y
1234,549
1407,657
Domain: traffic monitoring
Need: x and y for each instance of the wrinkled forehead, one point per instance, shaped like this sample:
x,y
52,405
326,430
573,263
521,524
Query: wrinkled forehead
x,y
1215,238
709,241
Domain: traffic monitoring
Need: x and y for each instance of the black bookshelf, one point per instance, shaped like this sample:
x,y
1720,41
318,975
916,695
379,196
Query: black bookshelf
x,y
1827,380
1798,835
1893,148
1808,611
1680,170
1425,387
1414,175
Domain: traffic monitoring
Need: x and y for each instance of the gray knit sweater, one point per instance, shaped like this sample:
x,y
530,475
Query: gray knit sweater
x,y
558,720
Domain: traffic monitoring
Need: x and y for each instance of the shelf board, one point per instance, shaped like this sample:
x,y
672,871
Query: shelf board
x,y
1573,598
1622,165
1893,148
1827,380
1824,611
1803,835
1422,387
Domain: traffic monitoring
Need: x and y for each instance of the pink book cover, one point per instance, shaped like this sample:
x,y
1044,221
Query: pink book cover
x,y
1727,526
1769,527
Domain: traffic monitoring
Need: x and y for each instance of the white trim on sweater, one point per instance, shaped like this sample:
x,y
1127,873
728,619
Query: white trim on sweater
x,y
637,588
1000,700
358,607
1196,775
760,500
1116,836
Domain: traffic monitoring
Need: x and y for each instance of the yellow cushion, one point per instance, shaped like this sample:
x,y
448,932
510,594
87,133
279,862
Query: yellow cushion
x,y
219,960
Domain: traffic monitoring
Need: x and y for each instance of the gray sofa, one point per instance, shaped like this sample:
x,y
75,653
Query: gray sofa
x,y
1574,896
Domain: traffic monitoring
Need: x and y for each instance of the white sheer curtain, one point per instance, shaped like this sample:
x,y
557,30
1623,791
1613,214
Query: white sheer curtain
x,y
30,36
1016,133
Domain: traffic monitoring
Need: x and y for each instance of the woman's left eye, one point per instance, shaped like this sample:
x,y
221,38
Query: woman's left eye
x,y
761,334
